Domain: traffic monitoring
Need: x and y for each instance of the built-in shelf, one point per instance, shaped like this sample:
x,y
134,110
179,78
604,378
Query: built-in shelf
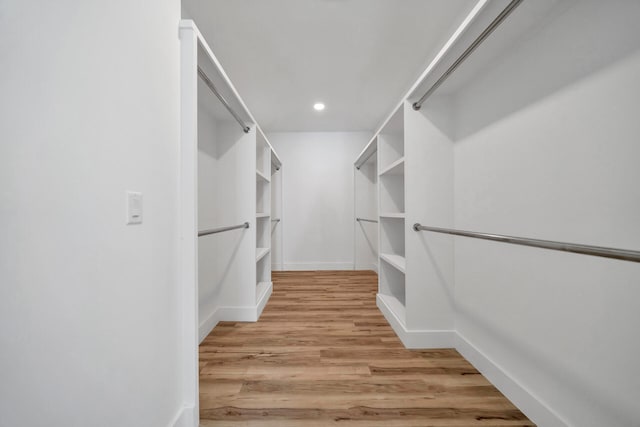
x,y
395,306
260,175
262,215
400,215
262,288
396,261
395,168
261,253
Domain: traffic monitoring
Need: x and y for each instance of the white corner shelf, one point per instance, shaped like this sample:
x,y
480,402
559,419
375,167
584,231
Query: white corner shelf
x,y
396,261
261,253
400,215
260,175
395,168
262,215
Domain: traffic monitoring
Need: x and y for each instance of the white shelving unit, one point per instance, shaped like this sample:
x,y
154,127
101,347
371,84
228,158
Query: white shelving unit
x,y
410,280
263,218
225,181
391,219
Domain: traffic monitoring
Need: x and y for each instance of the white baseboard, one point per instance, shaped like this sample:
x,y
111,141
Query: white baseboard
x,y
234,314
205,327
374,267
527,402
412,338
186,417
302,266
263,299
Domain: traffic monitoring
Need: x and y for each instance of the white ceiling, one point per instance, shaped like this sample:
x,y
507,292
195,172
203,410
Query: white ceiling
x,y
359,57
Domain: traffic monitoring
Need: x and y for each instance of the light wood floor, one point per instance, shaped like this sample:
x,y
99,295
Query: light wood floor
x,y
323,355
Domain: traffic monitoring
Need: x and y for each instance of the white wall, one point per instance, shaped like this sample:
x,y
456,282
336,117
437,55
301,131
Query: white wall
x,y
88,305
318,197
555,156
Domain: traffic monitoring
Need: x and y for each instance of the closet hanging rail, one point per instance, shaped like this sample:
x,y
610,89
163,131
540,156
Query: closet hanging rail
x,y
359,164
213,89
622,254
221,229
487,31
366,220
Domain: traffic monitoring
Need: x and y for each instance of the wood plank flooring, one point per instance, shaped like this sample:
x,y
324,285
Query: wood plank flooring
x,y
322,354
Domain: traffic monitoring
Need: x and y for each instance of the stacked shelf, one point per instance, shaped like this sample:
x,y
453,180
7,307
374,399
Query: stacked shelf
x,y
263,216
391,166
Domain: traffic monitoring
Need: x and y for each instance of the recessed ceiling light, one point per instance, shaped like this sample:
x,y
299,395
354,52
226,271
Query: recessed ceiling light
x,y
318,106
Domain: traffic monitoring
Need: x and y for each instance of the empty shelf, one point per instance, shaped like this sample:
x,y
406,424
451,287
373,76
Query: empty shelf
x,y
395,168
393,215
260,175
261,252
396,261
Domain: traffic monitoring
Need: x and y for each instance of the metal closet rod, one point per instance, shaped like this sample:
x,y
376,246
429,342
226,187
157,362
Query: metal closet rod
x,y
487,31
601,251
221,229
275,220
213,89
363,161
366,220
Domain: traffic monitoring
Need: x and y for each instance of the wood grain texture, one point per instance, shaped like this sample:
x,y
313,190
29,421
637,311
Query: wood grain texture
x,y
322,354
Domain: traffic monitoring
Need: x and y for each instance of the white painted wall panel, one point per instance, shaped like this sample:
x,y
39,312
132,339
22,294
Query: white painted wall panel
x,y
560,164
429,200
88,305
318,197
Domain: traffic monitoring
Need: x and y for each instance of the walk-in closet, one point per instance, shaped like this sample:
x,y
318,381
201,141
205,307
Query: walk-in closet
x,y
320,213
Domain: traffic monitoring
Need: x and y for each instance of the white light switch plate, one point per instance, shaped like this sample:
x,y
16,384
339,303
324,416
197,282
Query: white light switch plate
x,y
134,207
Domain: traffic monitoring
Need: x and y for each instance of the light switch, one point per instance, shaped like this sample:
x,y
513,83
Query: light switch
x,y
134,207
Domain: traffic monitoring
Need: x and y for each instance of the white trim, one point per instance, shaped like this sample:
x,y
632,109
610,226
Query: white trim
x,y
263,299
238,314
188,220
304,266
184,417
373,266
536,410
234,314
415,338
208,324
